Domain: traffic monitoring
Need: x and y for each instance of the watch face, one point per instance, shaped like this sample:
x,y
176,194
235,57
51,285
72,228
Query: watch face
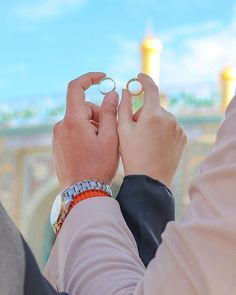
x,y
56,210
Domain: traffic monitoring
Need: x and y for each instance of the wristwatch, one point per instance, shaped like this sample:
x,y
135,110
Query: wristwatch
x,y
63,201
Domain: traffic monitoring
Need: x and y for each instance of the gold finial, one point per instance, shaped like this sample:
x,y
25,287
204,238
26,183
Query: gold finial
x,y
229,73
151,51
228,84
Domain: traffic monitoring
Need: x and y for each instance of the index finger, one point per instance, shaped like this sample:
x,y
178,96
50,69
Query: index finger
x,y
151,92
75,93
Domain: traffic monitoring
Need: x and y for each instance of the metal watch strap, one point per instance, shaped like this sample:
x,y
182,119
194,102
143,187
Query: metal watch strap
x,y
67,198
83,186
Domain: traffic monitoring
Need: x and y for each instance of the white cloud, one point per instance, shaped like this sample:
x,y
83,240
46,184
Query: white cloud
x,y
187,30
201,58
45,9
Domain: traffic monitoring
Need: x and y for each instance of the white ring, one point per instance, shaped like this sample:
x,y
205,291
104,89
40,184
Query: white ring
x,y
108,79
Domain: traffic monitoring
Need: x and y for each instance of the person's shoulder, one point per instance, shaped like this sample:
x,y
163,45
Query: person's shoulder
x,y
12,259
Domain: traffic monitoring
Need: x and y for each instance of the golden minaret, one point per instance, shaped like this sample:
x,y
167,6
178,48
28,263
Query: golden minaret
x,y
228,86
151,51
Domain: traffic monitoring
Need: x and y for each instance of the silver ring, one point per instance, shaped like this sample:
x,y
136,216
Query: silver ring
x,y
110,90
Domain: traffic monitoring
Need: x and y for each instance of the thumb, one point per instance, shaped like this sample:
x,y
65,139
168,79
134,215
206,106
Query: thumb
x,y
108,115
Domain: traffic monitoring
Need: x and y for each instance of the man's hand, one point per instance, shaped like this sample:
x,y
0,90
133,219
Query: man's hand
x,y
85,142
151,141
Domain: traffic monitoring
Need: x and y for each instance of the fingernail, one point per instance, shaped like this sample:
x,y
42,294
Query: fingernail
x,y
141,76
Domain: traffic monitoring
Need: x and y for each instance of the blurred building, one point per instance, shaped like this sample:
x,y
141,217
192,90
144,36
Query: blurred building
x,y
151,48
28,184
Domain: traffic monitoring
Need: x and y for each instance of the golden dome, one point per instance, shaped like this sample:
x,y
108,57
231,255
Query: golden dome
x,y
229,73
151,43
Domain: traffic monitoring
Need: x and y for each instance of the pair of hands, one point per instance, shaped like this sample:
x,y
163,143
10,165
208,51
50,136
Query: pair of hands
x,y
88,142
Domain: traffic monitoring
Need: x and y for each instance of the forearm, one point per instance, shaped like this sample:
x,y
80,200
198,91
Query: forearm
x,y
198,252
96,254
147,206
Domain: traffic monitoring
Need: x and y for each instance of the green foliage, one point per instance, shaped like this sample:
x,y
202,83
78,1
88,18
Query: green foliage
x,y
137,102
56,111
192,100
7,116
27,114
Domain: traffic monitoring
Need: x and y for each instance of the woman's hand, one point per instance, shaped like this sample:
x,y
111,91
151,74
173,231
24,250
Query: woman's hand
x,y
151,142
85,142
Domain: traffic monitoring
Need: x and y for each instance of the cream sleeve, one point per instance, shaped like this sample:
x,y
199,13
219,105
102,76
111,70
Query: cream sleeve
x,y
95,253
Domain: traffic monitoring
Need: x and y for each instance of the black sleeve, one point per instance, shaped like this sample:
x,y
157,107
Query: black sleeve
x,y
35,283
147,206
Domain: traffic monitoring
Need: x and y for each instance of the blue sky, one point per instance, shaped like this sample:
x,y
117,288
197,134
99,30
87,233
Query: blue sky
x,y
46,43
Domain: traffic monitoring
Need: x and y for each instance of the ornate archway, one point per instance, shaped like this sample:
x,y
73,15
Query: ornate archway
x,y
35,228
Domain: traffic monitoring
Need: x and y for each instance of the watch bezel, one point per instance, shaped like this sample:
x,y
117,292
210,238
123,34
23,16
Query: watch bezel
x,y
56,210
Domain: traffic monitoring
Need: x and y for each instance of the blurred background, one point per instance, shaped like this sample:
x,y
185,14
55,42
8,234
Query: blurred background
x,y
187,47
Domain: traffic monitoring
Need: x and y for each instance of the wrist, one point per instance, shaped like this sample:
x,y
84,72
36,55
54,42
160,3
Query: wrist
x,y
76,193
83,177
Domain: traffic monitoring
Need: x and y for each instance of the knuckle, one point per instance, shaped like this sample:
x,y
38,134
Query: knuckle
x,y
109,110
182,135
71,85
180,131
56,129
154,118
172,122
185,138
70,124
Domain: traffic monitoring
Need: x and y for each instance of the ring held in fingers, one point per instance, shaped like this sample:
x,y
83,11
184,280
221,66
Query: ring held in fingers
x,y
134,87
106,85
